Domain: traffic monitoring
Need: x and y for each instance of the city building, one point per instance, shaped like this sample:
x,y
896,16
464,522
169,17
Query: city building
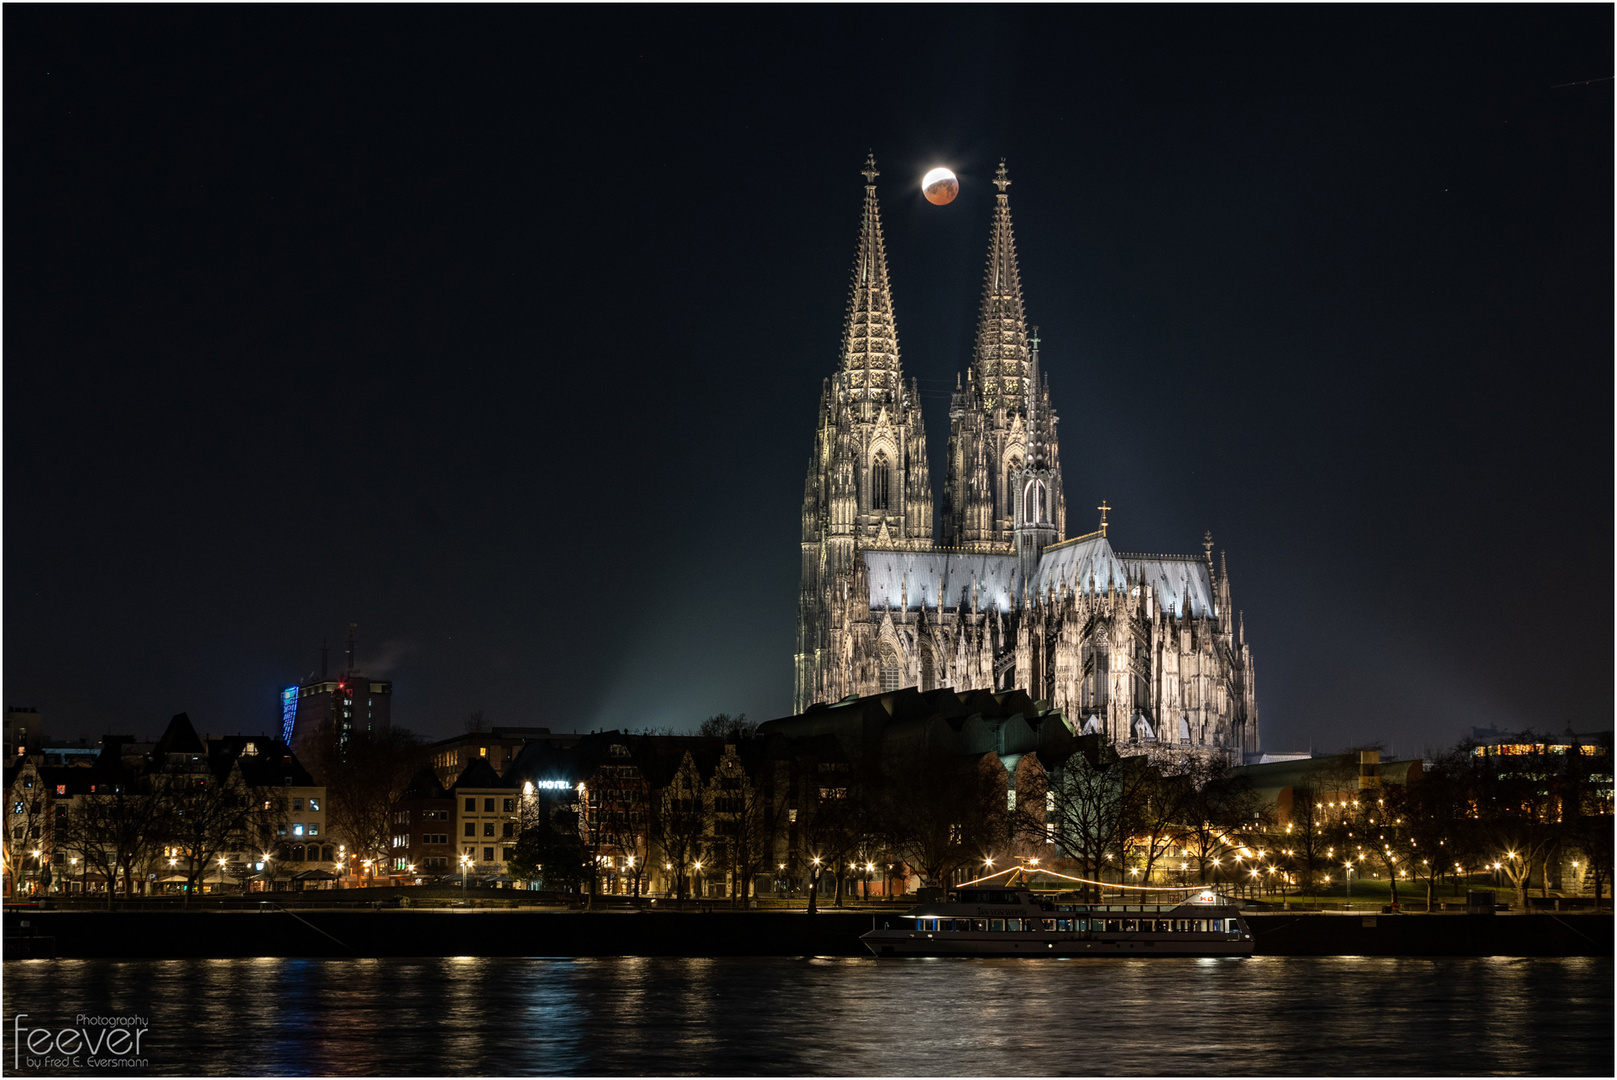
x,y
424,824
499,746
158,817
995,594
25,731
486,819
352,702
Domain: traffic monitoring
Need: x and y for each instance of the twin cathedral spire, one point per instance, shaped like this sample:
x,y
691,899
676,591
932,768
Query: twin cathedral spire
x,y
984,591
868,485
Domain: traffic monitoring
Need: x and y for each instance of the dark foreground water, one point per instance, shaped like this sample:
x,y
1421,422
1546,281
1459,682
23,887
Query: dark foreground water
x,y
457,1017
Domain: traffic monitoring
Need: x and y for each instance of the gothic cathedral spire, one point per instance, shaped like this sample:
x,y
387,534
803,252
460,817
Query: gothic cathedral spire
x,y
870,369
867,486
1001,358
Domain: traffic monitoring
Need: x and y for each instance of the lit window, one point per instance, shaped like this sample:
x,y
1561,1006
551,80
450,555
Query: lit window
x,y
889,670
314,830
297,830
879,476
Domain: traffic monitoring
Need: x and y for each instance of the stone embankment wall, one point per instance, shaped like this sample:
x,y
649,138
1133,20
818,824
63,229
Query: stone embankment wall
x,y
336,933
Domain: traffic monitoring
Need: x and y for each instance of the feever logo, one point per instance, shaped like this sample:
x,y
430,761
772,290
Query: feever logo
x,y
93,1042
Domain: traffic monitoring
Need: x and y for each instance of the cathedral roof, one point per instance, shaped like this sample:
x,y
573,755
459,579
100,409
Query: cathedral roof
x,y
870,366
1079,564
1178,579
1089,561
907,579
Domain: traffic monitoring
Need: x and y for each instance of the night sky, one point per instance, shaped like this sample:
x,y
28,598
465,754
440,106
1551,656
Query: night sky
x,y
500,333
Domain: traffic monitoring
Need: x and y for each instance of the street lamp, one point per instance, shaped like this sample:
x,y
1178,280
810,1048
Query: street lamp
x,y
465,868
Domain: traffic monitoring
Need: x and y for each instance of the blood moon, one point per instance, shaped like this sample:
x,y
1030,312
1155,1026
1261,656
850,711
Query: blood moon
x,y
940,187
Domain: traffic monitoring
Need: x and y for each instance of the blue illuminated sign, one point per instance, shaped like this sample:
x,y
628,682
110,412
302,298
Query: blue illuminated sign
x,y
289,712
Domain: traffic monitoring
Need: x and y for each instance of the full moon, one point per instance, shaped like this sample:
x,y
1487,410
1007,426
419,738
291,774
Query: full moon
x,y
940,187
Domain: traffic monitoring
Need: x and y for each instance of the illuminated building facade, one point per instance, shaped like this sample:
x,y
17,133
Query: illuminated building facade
x,y
499,747
1140,648
486,819
346,705
423,828
350,704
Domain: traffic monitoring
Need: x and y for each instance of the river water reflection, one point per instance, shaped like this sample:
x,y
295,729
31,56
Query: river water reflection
x,y
843,1017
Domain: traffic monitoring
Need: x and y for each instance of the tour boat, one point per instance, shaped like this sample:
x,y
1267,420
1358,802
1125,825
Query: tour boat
x,y
1010,920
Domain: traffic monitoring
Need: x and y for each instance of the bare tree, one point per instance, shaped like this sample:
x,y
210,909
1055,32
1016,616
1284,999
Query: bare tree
x,y
1518,808
1085,805
729,728
114,829
1224,806
678,821
365,777
937,813
27,822
1155,807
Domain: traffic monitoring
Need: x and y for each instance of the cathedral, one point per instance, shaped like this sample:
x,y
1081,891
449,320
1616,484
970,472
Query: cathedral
x,y
984,589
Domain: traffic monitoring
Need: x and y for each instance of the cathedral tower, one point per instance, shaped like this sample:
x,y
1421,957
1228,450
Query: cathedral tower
x,y
868,485
1001,425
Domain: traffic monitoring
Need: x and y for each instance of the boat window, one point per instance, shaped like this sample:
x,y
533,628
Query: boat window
x,y
979,924
1181,925
1131,926
1013,925
1064,924
996,924
1114,926
1049,924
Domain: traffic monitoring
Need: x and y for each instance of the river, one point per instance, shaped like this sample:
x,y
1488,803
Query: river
x,y
814,1017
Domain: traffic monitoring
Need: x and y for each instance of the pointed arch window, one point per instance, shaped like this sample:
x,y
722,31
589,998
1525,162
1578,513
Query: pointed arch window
x,y
889,670
1033,502
880,478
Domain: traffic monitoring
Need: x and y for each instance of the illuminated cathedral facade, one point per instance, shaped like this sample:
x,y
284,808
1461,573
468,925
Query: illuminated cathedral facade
x,y
985,590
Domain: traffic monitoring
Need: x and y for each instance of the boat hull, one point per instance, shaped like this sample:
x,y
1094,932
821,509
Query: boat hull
x,y
893,942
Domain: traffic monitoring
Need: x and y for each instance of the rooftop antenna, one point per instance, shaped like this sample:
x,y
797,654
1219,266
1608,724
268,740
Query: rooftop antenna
x,y
352,627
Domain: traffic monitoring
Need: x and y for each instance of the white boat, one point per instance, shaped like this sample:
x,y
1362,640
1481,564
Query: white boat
x,y
1009,919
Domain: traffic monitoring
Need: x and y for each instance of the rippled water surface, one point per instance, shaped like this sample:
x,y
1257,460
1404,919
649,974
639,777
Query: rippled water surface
x,y
458,1017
